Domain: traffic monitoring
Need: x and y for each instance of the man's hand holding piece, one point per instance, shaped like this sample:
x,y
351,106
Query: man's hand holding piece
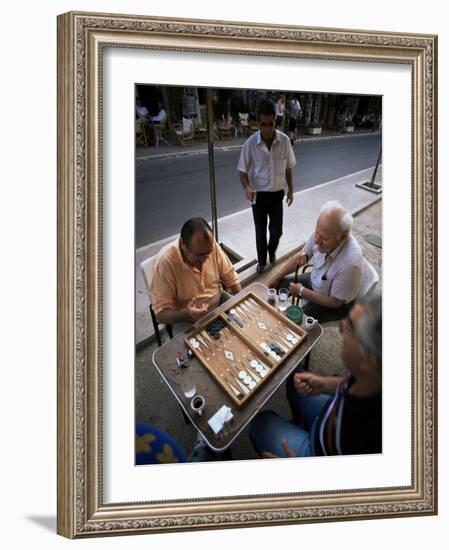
x,y
249,192
195,310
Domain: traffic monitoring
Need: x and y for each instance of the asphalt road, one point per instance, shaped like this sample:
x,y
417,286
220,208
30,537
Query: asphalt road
x,y
170,189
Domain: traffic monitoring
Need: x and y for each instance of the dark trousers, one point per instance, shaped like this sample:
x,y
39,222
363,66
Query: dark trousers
x,y
268,207
321,313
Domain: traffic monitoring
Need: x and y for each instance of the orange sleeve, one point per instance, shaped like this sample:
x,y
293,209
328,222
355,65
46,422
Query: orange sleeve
x,y
227,272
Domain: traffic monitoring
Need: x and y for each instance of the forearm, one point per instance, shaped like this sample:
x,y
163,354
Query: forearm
x,y
291,265
331,383
289,178
235,288
244,179
321,299
171,316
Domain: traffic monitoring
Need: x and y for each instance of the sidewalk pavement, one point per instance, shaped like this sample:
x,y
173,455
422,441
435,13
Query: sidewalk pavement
x,y
200,147
237,232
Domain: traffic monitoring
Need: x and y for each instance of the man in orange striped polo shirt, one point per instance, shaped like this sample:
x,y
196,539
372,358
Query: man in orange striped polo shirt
x,y
189,275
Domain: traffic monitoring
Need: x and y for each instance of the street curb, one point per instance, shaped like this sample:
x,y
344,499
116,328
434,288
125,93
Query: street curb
x,y
192,152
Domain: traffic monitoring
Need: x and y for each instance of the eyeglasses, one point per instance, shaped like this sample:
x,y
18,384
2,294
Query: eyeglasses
x,y
200,255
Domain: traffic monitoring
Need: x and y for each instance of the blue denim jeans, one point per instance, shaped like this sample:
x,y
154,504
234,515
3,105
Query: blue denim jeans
x,y
268,428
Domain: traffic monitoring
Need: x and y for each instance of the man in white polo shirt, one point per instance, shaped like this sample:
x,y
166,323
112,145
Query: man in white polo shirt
x,y
337,259
265,165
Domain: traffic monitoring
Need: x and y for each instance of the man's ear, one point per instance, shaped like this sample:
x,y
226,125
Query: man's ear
x,y
370,363
182,245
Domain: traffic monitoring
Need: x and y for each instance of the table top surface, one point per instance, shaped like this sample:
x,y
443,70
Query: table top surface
x,y
164,359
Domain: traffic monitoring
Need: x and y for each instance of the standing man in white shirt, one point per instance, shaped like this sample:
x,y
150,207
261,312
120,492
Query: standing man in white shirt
x,y
265,166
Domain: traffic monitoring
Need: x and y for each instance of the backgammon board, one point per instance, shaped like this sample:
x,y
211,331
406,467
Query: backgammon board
x,y
244,345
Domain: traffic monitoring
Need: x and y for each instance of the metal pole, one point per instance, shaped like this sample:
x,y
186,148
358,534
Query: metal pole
x,y
373,177
210,145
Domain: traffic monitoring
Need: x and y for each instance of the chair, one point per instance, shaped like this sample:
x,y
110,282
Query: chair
x,y
200,131
159,132
141,134
369,281
147,267
159,129
225,128
185,132
244,127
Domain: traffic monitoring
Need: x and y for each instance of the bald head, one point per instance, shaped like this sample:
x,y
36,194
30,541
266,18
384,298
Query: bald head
x,y
331,219
332,227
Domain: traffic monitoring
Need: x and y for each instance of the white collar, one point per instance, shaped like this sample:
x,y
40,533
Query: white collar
x,y
259,139
336,251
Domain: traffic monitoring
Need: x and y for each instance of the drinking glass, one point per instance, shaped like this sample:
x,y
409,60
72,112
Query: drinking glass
x,y
283,299
187,384
272,296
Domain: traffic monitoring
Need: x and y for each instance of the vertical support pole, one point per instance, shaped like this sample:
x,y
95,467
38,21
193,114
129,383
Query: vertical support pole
x,y
373,177
210,145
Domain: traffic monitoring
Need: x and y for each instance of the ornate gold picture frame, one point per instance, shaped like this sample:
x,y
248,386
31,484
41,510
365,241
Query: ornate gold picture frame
x,y
82,38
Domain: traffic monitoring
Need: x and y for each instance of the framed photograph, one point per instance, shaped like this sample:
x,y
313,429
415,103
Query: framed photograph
x,y
101,60
189,142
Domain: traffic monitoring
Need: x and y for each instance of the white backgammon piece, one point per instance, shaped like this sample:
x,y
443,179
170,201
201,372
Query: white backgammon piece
x,y
252,385
242,374
247,380
294,340
263,373
290,338
259,368
254,363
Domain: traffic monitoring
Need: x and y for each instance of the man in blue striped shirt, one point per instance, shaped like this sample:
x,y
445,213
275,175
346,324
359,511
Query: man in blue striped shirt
x,y
333,415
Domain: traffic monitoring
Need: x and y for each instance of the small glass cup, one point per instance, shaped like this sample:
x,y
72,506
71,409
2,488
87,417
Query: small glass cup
x,y
187,384
283,299
197,404
272,296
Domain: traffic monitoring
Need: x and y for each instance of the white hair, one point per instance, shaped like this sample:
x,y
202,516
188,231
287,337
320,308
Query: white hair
x,y
346,220
369,328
